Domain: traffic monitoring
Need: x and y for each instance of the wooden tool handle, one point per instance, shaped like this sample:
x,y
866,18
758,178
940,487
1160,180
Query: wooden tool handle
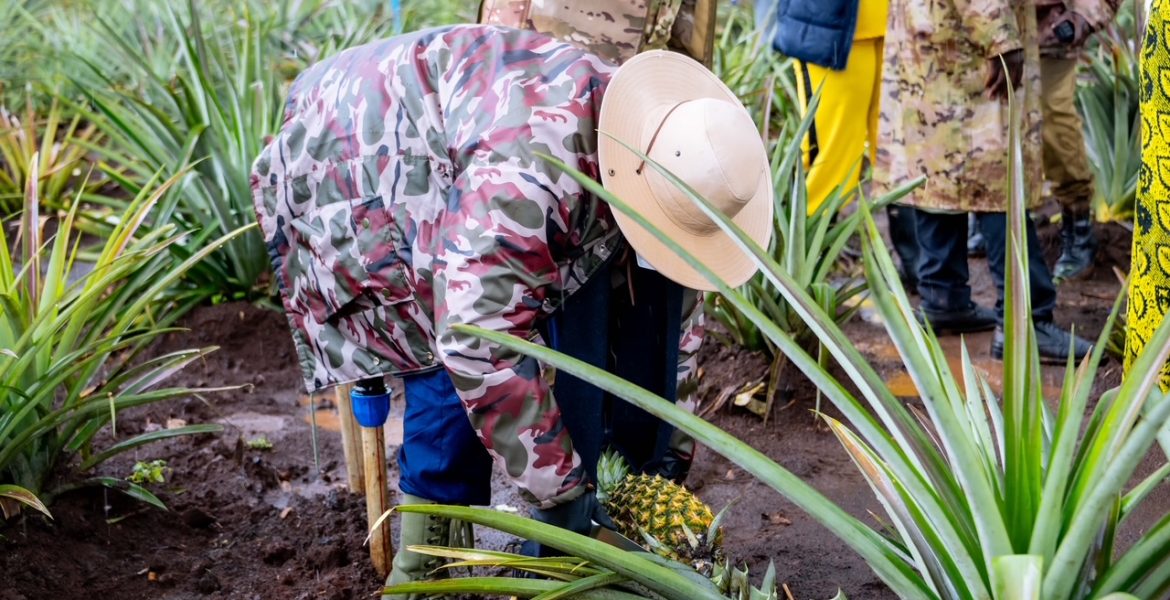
x,y
377,498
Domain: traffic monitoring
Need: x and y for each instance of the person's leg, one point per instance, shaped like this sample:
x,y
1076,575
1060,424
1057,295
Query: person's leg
x,y
1043,293
1066,166
644,350
943,274
873,119
1052,342
578,329
441,460
976,244
836,141
441,457
942,265
904,238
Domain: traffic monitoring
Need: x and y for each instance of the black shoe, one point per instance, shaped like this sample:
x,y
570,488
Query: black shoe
x,y
969,320
1051,341
1078,247
976,243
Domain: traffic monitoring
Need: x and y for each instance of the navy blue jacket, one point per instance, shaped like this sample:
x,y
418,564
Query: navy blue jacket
x,y
816,31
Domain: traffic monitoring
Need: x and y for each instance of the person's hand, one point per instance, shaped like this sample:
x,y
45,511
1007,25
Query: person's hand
x,y
1003,70
1070,30
577,515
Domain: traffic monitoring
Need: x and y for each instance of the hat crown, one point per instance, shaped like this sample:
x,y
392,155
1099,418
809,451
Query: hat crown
x,y
713,146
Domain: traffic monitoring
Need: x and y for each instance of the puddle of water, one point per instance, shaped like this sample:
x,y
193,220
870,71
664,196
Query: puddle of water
x,y
329,420
902,386
882,350
282,497
325,413
252,423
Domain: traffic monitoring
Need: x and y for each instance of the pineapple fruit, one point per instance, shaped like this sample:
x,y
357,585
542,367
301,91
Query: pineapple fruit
x,y
660,514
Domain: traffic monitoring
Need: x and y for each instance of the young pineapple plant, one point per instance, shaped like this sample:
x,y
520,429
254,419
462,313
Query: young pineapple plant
x,y
664,516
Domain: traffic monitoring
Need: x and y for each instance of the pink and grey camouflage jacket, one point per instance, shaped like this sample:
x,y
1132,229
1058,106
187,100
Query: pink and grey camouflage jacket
x,y
404,195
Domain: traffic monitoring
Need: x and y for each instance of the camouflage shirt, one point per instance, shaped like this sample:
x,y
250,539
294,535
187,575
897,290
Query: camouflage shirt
x,y
615,30
404,194
935,118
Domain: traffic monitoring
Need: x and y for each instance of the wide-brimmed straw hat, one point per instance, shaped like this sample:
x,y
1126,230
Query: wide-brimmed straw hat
x,y
678,113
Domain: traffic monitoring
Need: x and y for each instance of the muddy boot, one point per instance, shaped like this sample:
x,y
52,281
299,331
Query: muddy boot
x,y
418,530
1078,246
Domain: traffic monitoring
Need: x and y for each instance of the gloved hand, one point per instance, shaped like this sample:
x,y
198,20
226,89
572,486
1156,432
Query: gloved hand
x,y
577,515
1003,70
1071,30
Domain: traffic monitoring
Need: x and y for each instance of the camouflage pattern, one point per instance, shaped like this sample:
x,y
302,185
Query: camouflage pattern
x,y
615,30
404,195
935,119
687,398
1098,13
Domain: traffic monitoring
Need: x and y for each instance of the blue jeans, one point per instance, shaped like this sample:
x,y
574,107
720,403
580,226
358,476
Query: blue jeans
x,y
441,458
942,265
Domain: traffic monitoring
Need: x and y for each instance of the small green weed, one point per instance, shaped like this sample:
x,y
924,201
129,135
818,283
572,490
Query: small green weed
x,y
149,472
259,443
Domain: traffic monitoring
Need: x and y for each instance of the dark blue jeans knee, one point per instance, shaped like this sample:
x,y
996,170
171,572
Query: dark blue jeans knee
x,y
441,458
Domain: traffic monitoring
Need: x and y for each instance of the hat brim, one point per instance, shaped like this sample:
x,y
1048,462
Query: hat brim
x,y
641,87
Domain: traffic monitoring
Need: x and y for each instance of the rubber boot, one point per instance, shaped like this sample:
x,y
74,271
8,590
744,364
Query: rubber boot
x,y
1078,246
418,530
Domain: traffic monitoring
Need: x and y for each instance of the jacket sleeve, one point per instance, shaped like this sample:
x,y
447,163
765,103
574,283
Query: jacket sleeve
x,y
991,25
690,340
494,270
1098,13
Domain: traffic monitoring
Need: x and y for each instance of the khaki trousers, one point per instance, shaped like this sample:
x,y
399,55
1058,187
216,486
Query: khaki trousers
x,y
1066,162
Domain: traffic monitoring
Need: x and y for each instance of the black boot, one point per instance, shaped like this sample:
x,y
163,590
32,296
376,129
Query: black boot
x,y
966,320
1052,342
1078,246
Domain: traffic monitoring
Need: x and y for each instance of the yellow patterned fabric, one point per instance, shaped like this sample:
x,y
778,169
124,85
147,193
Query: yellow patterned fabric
x,y
1149,288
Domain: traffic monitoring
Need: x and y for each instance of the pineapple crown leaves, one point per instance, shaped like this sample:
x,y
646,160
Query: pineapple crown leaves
x,y
717,523
611,469
735,583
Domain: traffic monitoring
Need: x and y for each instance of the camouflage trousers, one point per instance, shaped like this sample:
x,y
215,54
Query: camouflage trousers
x,y
1066,162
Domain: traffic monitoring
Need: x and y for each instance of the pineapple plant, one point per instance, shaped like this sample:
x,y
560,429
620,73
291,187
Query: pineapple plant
x,y
662,515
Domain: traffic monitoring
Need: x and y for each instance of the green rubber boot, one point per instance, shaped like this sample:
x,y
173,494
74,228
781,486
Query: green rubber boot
x,y
417,530
424,530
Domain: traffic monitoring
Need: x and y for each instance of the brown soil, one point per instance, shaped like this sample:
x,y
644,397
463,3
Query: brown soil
x,y
247,523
